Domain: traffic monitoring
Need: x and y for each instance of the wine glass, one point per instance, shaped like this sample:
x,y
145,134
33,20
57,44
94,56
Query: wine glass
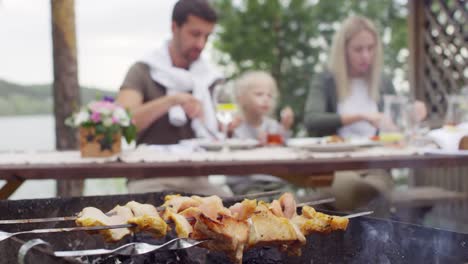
x,y
226,107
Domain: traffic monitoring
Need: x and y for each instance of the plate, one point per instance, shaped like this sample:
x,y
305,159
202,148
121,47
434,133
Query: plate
x,y
462,152
319,144
233,144
365,143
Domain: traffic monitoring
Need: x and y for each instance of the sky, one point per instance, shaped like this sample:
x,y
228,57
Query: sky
x,y
111,36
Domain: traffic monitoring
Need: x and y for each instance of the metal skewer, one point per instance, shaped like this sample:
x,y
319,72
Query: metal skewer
x,y
6,235
317,202
38,220
358,214
132,249
161,208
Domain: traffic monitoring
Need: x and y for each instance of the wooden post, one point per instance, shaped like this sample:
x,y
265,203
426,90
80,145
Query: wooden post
x,y
416,48
66,87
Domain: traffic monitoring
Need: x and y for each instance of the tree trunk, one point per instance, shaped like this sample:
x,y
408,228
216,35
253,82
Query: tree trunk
x,y
66,87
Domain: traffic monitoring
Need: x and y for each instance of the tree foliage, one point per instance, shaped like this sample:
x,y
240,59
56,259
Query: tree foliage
x,y
290,38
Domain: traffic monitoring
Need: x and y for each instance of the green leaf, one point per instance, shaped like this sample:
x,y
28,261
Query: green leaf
x,y
129,133
100,129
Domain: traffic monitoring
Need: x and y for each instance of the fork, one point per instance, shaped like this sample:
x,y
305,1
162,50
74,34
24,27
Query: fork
x,y
132,249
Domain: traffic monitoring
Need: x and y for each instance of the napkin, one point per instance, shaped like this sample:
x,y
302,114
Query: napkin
x,y
448,137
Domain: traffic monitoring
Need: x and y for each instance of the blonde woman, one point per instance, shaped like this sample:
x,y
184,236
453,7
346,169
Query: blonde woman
x,y
346,99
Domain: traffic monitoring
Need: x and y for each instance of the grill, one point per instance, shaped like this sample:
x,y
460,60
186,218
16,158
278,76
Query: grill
x,y
367,240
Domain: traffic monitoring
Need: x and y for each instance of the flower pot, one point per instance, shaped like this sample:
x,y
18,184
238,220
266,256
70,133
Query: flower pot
x,y
96,145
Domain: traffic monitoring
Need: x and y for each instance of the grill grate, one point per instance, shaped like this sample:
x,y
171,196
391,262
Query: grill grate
x,y
367,240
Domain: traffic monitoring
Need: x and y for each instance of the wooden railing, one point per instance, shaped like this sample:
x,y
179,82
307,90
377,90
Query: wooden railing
x,y
438,51
438,66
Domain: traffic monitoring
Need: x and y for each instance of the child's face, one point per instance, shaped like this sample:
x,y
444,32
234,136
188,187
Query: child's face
x,y
259,99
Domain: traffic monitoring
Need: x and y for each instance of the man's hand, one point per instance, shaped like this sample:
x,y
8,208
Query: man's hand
x,y
191,105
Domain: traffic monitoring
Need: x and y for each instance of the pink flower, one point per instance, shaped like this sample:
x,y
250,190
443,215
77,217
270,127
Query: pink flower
x,y
115,120
96,117
102,106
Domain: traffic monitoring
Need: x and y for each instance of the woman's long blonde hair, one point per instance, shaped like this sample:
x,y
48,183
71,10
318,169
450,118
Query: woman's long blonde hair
x,y
338,64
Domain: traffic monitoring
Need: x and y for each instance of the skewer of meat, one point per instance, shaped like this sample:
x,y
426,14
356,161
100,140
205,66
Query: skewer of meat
x,y
248,224
231,230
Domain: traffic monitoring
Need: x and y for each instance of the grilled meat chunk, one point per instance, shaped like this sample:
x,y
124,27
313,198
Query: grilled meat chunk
x,y
228,235
268,229
243,210
311,221
146,218
212,206
91,216
177,203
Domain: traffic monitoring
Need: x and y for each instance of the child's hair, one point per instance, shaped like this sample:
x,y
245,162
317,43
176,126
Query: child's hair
x,y
250,79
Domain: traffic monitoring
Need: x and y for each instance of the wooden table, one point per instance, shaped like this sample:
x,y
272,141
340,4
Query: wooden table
x,y
17,174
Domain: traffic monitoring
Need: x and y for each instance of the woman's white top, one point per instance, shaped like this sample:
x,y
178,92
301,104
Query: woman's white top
x,y
359,101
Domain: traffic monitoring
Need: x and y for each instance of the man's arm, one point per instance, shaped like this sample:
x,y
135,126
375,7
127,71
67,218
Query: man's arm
x,y
144,114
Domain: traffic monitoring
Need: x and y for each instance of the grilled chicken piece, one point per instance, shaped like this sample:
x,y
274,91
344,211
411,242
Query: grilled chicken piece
x,y
177,203
275,208
183,228
288,205
146,218
285,206
212,206
312,221
178,209
228,235
243,210
268,229
91,216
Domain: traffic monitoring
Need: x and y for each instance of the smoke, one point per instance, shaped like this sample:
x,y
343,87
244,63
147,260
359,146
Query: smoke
x,y
386,241
376,240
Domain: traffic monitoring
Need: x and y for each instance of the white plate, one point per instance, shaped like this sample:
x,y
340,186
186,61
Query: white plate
x,y
234,144
462,152
318,145
365,143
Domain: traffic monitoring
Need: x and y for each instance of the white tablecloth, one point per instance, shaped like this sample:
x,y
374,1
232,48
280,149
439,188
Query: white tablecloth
x,y
174,153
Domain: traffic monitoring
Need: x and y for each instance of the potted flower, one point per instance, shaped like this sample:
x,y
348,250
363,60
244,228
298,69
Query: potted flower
x,y
101,126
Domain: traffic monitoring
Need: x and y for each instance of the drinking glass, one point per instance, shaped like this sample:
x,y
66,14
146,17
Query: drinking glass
x,y
275,135
226,107
394,127
456,110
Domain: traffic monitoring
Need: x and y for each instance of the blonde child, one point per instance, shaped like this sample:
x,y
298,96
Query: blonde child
x,y
256,94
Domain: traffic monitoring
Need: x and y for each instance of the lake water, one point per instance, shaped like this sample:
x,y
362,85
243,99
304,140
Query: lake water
x,y
16,134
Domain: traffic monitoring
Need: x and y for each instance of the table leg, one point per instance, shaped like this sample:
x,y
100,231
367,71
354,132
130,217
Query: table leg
x,y
9,188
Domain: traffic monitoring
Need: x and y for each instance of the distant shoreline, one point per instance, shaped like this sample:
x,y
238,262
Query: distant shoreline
x,y
25,116
27,100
